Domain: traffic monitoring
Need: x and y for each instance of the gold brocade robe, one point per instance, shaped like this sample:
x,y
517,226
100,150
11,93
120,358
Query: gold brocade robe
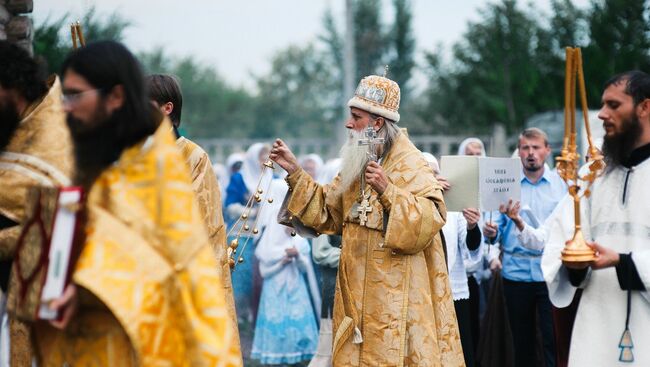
x,y
150,292
39,154
393,304
208,194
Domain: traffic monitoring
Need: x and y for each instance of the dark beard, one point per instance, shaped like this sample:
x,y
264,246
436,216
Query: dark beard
x,y
618,148
533,168
95,147
9,120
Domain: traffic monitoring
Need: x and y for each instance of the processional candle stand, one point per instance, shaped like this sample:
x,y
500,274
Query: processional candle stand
x,y
243,225
77,34
568,163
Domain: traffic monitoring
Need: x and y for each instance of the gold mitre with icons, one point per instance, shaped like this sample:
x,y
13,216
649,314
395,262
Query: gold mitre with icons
x,y
379,95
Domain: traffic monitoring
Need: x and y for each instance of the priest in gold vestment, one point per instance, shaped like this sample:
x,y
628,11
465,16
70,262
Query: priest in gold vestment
x,y
393,303
165,92
35,150
146,290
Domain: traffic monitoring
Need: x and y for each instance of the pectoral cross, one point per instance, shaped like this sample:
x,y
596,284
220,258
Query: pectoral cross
x,y
363,209
371,140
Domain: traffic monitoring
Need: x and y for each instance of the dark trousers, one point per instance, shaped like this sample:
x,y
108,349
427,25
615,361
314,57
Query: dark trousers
x,y
474,312
465,329
528,304
563,319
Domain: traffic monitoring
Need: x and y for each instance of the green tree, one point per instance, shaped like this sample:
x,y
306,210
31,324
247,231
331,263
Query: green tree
x,y
52,40
619,32
402,47
376,44
297,97
371,43
503,70
211,107
100,28
49,45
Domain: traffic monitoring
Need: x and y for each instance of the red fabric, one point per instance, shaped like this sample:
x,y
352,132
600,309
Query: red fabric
x,y
563,319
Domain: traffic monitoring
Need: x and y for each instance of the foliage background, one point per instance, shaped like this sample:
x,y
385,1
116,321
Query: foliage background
x,y
507,66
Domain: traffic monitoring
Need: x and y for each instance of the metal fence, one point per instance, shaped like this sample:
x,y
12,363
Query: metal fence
x,y
497,145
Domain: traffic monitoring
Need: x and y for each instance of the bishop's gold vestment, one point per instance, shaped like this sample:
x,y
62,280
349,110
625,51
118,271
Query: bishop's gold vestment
x,y
38,154
393,303
208,194
150,292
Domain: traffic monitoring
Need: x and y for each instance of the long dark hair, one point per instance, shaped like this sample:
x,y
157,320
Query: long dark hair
x,y
106,64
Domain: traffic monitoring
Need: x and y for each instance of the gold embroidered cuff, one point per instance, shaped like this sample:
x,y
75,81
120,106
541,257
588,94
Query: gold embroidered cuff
x,y
293,179
386,198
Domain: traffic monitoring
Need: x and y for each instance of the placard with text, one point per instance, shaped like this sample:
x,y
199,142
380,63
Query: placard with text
x,y
480,182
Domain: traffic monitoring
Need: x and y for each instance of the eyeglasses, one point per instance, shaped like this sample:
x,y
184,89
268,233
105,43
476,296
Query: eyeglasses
x,y
74,97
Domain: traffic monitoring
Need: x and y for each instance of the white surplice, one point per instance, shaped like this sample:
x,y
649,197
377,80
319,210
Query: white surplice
x,y
624,226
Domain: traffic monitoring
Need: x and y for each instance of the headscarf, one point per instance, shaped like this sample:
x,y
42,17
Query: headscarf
x,y
251,169
463,145
234,158
276,238
329,171
316,159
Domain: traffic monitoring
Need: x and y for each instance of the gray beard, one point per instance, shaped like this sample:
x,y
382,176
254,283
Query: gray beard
x,y
353,160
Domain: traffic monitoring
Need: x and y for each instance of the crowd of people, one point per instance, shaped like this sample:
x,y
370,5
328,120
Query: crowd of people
x,y
350,262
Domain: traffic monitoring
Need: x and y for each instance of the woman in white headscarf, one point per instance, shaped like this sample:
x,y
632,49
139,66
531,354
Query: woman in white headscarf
x,y
233,165
286,331
471,146
312,164
463,239
234,162
242,185
478,272
326,251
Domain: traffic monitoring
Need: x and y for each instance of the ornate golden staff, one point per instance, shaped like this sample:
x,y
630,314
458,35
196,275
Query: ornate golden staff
x,y
77,34
568,163
244,219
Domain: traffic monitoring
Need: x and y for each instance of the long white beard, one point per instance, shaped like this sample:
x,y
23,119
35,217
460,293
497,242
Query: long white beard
x,y
353,159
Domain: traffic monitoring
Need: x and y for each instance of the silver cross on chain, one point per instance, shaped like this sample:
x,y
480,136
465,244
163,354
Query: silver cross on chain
x,y
371,140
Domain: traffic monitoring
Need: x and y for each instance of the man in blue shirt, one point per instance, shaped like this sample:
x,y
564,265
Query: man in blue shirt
x,y
523,283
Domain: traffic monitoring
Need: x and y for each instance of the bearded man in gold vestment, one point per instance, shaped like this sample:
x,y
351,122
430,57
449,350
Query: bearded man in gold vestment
x,y
393,304
165,92
145,290
35,150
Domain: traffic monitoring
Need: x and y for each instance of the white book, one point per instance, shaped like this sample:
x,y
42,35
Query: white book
x,y
480,182
60,252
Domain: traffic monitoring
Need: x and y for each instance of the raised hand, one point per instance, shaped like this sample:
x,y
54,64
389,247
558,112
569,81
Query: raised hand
x,y
490,230
291,252
472,216
444,183
512,211
282,155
